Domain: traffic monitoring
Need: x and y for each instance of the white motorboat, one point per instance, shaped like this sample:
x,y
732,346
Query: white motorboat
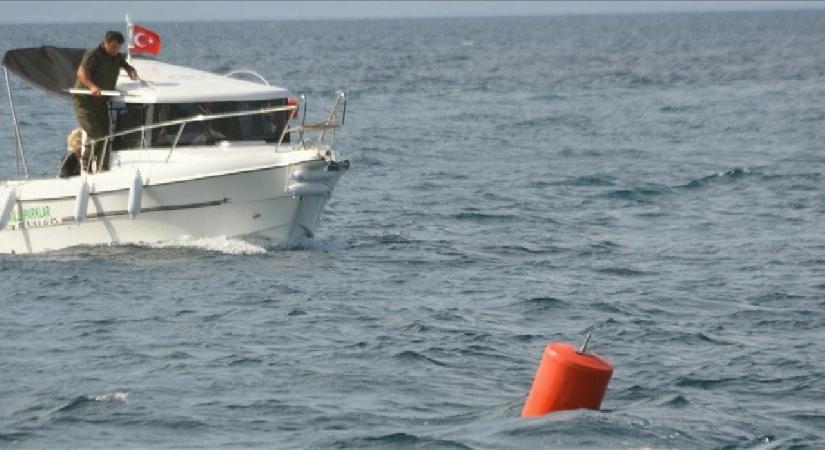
x,y
190,154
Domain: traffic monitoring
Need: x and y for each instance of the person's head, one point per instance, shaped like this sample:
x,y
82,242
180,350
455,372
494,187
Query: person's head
x,y
112,42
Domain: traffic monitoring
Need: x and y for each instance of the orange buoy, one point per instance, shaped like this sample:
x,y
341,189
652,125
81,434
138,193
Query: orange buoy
x,y
567,378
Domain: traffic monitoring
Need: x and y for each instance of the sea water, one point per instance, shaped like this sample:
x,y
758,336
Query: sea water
x,y
657,179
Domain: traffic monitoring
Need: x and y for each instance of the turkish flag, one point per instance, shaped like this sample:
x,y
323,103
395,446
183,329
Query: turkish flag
x,y
145,40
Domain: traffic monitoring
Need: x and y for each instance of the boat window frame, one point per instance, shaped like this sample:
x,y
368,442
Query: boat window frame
x,y
200,118
115,109
245,128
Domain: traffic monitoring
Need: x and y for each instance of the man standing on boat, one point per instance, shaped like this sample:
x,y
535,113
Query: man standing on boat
x,y
98,71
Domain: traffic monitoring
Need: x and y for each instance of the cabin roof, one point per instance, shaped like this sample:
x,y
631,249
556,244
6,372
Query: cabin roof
x,y
167,83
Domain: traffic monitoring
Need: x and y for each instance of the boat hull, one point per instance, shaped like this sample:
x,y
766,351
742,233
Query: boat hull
x,y
261,202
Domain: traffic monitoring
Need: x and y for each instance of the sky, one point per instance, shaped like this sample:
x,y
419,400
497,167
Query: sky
x,y
171,11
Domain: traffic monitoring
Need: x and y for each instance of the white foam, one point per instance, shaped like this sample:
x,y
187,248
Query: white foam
x,y
220,244
111,397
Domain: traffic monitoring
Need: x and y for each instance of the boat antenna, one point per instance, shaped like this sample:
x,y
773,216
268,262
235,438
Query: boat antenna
x,y
129,28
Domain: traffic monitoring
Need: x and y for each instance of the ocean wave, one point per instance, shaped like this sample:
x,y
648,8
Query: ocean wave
x,y
543,303
296,312
623,272
413,356
781,298
368,161
588,180
13,437
393,238
724,176
83,400
172,423
574,121
679,108
395,440
314,245
708,382
675,401
483,217
640,194
243,361
519,250
416,326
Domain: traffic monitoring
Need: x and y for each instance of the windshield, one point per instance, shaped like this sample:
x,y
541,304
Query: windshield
x,y
256,127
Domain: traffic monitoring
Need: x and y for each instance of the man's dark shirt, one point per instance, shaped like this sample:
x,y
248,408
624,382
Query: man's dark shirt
x,y
103,70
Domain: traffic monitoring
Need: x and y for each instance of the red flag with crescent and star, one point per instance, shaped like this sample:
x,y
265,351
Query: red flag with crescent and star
x,y
145,40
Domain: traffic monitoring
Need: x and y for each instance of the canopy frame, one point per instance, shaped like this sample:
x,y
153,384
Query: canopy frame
x,y
20,155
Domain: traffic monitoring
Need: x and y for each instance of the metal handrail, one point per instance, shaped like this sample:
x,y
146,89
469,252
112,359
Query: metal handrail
x,y
329,123
303,100
21,156
197,118
182,123
203,118
175,142
248,72
331,119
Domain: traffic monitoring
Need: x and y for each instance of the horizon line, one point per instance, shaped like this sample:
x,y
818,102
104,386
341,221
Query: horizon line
x,y
779,8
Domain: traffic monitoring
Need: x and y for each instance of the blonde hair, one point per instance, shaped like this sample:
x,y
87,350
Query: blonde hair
x,y
74,142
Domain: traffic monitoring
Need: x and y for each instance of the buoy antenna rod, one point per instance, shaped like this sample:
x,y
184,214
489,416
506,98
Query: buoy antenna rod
x,y
583,348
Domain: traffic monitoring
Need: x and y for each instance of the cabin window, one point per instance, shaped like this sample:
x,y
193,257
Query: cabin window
x,y
126,117
257,127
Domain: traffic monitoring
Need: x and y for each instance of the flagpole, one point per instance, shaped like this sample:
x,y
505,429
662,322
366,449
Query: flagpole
x,y
129,27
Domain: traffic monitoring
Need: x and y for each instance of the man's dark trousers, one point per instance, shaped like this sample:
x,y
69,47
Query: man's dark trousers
x,y
93,117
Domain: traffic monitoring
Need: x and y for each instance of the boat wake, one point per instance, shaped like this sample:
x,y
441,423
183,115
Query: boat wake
x,y
220,244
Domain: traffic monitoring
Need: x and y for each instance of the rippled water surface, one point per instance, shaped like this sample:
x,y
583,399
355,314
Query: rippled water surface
x,y
658,179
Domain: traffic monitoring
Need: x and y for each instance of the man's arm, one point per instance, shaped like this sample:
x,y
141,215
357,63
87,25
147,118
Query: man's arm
x,y
88,64
86,80
128,67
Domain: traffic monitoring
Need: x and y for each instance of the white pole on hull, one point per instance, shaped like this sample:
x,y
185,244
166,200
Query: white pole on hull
x,y
81,202
135,195
7,201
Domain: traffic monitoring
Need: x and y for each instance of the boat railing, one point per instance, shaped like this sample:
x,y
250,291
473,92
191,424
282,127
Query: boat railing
x,y
182,122
329,123
247,72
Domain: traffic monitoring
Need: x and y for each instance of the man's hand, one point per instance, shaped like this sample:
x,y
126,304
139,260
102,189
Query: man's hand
x,y
133,74
95,90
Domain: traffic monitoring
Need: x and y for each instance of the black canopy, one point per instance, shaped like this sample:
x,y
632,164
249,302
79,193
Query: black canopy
x,y
51,68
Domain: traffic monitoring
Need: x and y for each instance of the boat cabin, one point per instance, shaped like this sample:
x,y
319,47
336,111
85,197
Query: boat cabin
x,y
170,106
168,93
